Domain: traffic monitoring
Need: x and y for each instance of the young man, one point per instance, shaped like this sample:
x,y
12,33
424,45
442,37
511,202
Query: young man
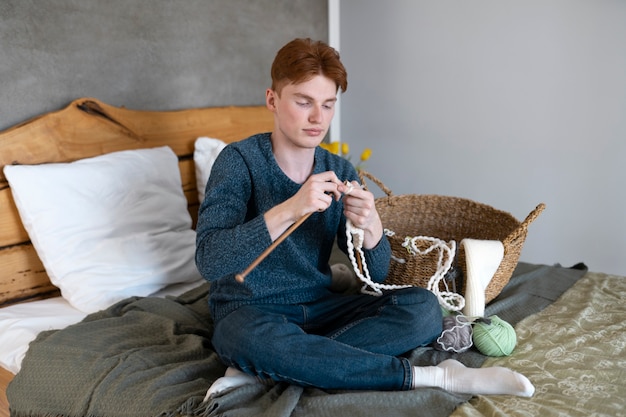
x,y
283,323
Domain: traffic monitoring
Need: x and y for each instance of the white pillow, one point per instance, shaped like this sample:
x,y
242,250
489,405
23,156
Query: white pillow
x,y
205,152
108,227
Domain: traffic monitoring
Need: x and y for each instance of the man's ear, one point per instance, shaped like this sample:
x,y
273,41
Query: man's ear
x,y
270,99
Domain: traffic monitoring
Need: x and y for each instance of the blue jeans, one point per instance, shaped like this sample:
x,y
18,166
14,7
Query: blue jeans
x,y
338,342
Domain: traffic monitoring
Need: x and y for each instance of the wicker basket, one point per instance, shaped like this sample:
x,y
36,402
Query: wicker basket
x,y
447,218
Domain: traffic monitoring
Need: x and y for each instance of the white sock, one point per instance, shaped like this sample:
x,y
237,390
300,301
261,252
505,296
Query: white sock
x,y
233,378
453,376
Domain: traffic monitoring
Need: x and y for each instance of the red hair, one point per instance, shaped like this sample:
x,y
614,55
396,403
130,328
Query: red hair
x,y
302,59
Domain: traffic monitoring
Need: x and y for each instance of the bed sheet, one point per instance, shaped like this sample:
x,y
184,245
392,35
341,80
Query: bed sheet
x,y
21,323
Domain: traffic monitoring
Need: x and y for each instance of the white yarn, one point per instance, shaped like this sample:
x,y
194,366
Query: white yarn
x,y
355,242
447,299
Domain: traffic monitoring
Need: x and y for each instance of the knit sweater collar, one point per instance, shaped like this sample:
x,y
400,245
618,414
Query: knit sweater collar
x,y
265,144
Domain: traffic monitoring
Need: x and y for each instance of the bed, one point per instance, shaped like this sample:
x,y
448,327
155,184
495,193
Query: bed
x,y
78,347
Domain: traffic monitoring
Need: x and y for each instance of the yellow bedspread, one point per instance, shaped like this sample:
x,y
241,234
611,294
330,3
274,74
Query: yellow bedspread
x,y
573,352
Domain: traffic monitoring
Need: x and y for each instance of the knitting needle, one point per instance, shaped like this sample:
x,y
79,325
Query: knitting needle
x,y
242,276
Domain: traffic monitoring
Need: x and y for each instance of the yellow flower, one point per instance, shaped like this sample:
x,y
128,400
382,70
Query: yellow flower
x,y
332,147
365,155
345,148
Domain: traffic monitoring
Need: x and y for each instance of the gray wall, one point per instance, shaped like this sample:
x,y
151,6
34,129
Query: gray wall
x,y
144,54
507,103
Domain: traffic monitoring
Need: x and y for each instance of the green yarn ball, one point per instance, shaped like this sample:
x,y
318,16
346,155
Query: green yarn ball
x,y
494,337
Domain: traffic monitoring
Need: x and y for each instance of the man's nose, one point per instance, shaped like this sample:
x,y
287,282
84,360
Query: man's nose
x,y
316,115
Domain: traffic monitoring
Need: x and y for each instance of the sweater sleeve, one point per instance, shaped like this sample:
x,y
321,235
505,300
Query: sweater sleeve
x,y
228,237
378,259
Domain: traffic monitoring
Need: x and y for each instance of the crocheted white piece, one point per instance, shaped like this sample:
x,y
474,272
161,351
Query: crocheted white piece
x,y
447,299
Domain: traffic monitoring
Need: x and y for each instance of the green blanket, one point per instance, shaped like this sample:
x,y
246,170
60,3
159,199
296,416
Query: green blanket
x,y
153,357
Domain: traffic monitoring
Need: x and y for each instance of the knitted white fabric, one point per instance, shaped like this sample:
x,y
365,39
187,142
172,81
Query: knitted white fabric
x,y
482,259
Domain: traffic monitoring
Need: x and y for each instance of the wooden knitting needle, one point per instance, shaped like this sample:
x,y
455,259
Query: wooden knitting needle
x,y
242,276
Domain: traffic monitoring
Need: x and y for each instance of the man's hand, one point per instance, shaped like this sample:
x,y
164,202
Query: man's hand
x,y
316,194
360,209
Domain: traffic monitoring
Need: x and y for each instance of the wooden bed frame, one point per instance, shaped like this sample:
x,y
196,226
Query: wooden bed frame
x,y
88,127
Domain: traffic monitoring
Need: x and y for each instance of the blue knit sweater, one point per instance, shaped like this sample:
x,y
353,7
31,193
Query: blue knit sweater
x,y
245,182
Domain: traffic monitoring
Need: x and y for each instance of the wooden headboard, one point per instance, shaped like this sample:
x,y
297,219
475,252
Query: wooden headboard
x,y
88,127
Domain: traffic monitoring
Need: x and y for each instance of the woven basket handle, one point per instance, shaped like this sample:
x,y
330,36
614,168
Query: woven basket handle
x,y
523,227
379,183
